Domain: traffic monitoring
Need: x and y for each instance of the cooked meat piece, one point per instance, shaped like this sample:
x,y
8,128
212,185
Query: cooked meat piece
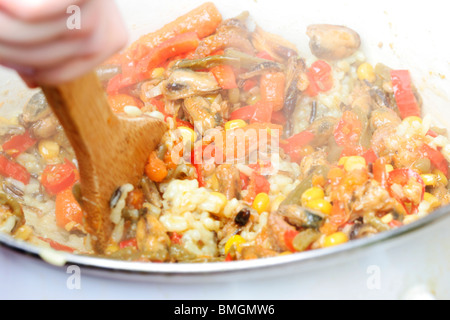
x,y
276,228
371,197
256,252
229,181
152,239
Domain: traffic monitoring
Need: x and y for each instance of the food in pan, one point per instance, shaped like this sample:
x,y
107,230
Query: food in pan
x,y
270,151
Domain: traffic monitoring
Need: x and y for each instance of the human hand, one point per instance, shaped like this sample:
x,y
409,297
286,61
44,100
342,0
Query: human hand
x,y
36,41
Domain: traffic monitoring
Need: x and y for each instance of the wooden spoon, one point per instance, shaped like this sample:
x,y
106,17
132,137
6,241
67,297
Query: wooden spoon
x,y
111,150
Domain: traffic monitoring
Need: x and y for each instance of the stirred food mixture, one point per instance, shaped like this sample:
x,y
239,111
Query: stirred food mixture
x,y
270,151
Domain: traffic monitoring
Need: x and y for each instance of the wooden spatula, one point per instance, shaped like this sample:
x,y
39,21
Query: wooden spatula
x,y
111,150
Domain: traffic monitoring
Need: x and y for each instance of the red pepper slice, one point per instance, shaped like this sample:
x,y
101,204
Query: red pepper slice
x,y
57,178
257,184
278,117
263,112
14,170
265,55
225,77
245,113
57,246
295,143
436,158
128,243
289,237
19,144
404,95
379,171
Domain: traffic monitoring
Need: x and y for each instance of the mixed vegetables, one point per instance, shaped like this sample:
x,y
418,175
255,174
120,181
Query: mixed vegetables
x,y
370,165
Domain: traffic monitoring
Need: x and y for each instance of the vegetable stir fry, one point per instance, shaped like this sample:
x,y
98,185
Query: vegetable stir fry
x,y
271,151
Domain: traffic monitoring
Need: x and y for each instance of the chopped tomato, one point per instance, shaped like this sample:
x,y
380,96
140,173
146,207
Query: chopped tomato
x,y
294,144
404,95
19,144
289,237
257,184
14,170
436,158
176,238
59,177
348,130
320,78
67,209
225,77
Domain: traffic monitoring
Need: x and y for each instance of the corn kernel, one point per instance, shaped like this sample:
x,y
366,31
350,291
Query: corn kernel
x,y
112,248
342,161
188,135
411,120
389,168
387,218
320,205
235,124
222,197
23,233
355,163
335,239
366,72
276,203
236,241
261,203
48,149
312,194
432,200
429,179
440,176
158,73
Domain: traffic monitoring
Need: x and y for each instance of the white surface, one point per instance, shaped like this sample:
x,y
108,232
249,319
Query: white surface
x,y
418,265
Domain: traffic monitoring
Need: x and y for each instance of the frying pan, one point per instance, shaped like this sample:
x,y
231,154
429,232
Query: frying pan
x,y
410,262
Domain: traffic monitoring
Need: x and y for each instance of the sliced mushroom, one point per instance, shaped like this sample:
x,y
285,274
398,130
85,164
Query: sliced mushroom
x,y
199,111
301,217
333,42
184,83
276,46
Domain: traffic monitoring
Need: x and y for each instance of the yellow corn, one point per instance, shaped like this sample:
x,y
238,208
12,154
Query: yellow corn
x,y
354,163
48,149
234,124
276,203
188,135
387,218
389,168
440,176
366,72
312,194
236,241
112,248
261,203
285,253
222,198
335,239
342,161
429,179
411,120
23,233
432,200
158,73
320,205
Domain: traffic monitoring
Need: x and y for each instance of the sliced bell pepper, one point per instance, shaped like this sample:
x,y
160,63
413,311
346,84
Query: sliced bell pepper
x,y
19,144
59,177
348,130
130,243
56,245
379,172
14,170
278,117
404,95
263,112
295,143
436,158
225,77
245,113
257,184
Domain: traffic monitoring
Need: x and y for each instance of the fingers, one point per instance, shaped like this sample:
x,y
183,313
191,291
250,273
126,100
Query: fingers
x,y
36,10
109,37
48,52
